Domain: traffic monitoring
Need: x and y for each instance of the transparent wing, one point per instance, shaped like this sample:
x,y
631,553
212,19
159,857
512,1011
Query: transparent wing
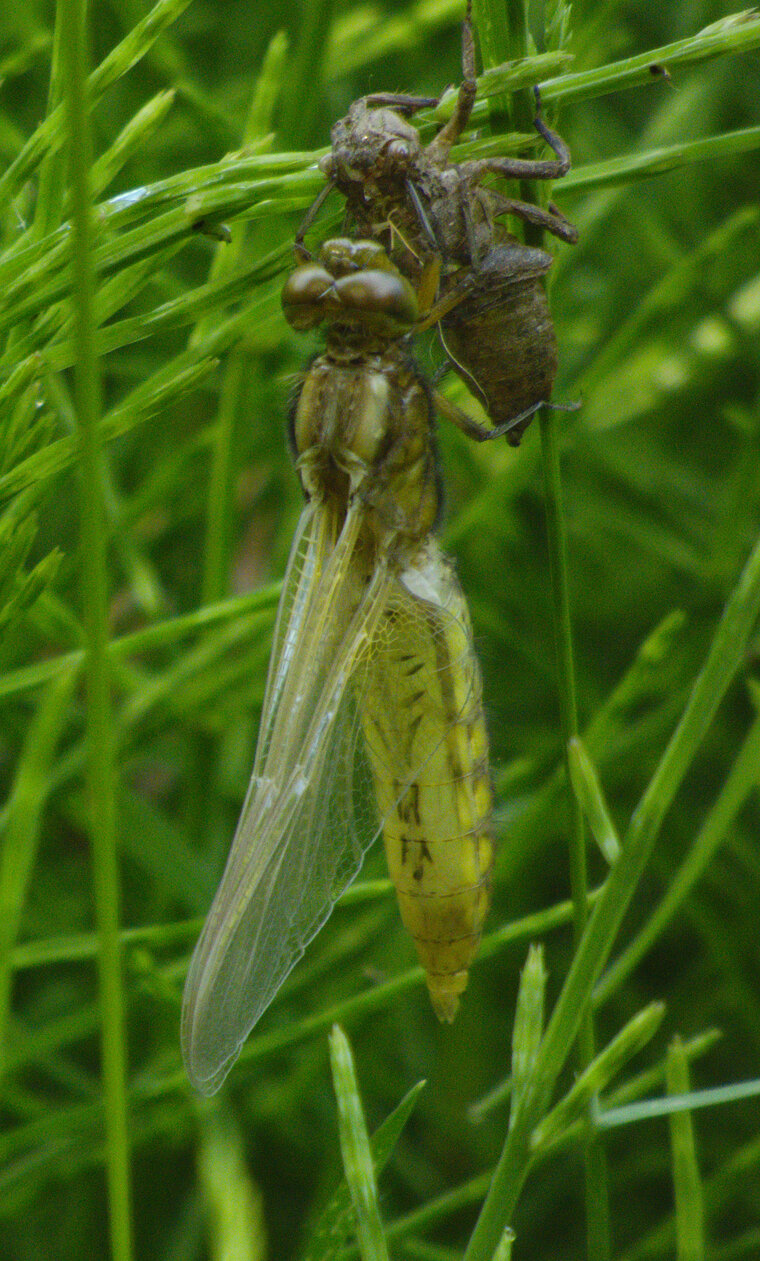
x,y
312,807
299,841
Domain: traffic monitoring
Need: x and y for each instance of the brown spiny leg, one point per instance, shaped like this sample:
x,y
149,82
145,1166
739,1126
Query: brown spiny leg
x,y
550,219
302,254
401,102
440,146
473,429
428,230
529,168
515,425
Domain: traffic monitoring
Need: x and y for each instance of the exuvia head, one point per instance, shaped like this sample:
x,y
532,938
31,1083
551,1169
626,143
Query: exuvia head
x,y
370,144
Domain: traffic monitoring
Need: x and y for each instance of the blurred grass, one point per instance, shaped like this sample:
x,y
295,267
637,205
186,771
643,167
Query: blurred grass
x,y
216,114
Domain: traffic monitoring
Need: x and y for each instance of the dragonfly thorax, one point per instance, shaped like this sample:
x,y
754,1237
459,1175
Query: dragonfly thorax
x,y
363,426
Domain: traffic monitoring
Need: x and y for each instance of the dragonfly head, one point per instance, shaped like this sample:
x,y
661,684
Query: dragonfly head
x,y
353,284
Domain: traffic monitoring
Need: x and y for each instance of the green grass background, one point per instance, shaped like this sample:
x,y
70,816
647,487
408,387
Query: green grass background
x,y
168,568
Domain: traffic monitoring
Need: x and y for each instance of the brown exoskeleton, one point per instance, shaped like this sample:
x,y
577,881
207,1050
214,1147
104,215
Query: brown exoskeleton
x,y
434,217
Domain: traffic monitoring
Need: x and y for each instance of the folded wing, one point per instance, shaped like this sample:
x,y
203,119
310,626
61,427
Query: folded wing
x,y
300,839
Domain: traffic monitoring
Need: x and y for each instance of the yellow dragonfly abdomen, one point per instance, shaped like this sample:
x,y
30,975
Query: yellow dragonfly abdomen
x,y
422,715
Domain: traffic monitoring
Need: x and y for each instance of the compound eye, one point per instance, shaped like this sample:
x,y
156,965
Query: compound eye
x,y
381,298
305,295
326,166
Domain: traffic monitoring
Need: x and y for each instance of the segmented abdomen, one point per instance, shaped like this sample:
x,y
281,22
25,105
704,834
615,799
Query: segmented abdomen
x,y
422,715
502,342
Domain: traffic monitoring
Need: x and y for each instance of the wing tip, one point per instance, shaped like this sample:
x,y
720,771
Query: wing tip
x,y
205,1071
205,1063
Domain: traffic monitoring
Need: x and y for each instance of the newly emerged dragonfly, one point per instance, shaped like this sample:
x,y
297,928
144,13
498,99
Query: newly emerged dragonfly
x,y
372,717
492,312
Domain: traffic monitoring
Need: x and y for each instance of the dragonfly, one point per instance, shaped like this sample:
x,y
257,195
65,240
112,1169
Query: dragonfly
x,y
491,310
372,720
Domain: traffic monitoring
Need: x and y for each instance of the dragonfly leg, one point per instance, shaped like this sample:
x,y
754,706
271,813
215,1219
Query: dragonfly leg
x,y
441,307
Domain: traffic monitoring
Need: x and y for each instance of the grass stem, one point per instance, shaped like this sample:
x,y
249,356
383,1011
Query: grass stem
x,y
101,765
